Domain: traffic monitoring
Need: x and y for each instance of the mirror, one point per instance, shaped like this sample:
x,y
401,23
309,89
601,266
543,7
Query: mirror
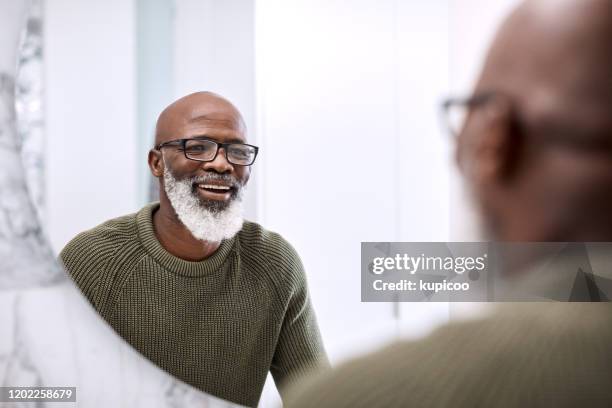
x,y
341,98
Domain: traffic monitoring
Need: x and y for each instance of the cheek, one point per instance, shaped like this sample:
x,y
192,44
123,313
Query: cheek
x,y
583,182
243,174
181,167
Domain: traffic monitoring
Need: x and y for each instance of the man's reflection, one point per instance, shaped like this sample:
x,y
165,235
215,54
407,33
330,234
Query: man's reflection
x,y
214,300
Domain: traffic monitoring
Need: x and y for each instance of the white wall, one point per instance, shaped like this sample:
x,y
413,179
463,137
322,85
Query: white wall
x,y
351,150
423,177
90,114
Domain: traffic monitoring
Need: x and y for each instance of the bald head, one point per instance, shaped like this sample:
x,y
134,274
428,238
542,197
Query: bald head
x,y
555,58
540,159
200,110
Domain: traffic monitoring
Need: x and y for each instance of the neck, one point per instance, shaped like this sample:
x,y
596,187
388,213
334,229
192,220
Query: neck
x,y
176,238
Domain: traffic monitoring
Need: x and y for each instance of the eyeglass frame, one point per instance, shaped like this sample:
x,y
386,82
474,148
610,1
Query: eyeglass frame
x,y
469,102
563,135
182,142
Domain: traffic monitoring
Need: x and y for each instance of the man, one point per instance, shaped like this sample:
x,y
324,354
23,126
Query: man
x,y
536,150
216,301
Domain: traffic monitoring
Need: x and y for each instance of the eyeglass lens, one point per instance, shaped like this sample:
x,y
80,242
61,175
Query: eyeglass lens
x,y
205,150
456,115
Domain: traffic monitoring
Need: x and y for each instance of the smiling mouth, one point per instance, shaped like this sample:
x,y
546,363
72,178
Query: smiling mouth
x,y
213,188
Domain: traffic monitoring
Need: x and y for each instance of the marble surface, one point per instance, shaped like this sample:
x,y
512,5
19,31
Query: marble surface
x,y
50,335
29,104
23,246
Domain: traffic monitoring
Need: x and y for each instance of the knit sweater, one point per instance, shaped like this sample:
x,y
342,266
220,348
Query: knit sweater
x,y
219,324
523,355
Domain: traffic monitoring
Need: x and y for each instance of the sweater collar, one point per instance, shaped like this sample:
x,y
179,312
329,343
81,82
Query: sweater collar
x,y
146,235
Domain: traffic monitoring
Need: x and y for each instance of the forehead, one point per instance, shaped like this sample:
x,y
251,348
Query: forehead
x,y
223,128
201,116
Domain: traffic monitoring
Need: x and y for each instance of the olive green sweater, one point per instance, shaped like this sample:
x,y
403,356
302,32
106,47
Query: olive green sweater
x,y
219,324
524,355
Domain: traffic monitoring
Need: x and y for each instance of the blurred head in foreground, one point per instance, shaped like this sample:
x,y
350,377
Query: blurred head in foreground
x,y
536,148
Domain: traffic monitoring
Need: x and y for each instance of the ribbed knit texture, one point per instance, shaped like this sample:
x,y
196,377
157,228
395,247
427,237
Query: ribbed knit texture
x,y
525,355
219,324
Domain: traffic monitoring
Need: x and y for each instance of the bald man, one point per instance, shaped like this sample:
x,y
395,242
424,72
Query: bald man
x,y
536,151
214,300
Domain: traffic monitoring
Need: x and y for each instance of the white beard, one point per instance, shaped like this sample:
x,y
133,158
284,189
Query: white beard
x,y
212,224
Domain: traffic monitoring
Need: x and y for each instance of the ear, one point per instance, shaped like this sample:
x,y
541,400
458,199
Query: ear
x,y
156,163
495,144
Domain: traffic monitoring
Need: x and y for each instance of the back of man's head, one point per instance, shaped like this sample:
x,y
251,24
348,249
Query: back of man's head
x,y
537,147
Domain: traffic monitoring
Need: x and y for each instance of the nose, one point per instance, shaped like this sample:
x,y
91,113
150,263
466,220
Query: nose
x,y
219,164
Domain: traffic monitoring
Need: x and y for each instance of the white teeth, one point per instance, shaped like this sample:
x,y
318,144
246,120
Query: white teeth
x,y
213,187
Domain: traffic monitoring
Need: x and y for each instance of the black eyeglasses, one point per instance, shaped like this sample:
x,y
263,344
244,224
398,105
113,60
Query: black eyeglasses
x,y
205,150
455,110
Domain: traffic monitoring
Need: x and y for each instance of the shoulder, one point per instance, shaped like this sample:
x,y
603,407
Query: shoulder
x,y
269,250
87,256
100,242
481,362
255,237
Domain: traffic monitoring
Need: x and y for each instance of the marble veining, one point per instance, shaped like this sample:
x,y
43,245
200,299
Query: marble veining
x,y
7,116
29,104
25,256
